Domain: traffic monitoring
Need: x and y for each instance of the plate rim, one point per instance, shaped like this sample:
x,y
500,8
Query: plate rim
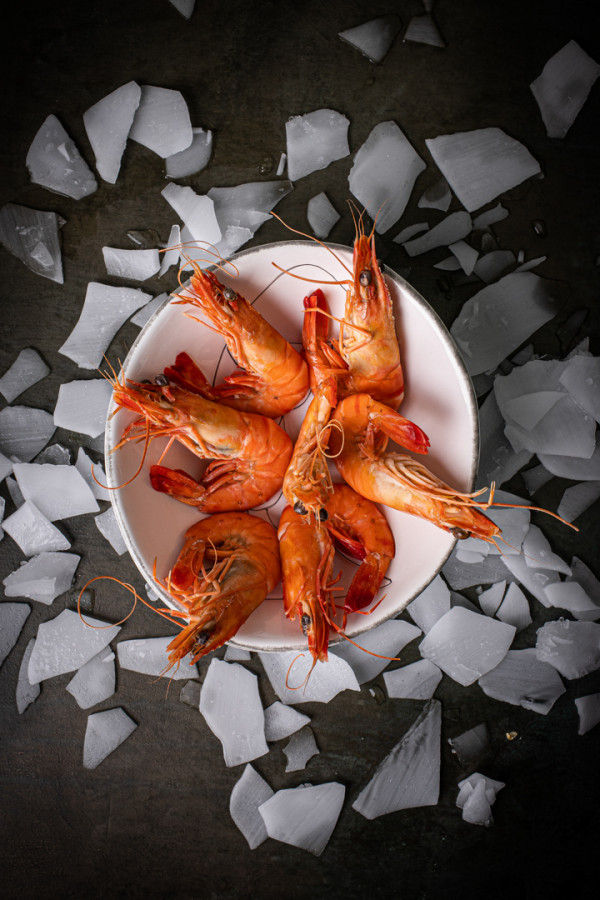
x,y
468,393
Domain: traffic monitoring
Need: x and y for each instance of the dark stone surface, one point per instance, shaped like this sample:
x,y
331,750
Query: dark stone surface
x,y
153,819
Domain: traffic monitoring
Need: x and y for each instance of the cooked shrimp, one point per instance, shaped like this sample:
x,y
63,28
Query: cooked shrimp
x,y
396,479
273,377
228,565
307,483
306,562
367,348
360,527
307,557
250,452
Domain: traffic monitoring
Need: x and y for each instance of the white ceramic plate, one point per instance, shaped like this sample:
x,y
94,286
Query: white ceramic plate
x,y
439,398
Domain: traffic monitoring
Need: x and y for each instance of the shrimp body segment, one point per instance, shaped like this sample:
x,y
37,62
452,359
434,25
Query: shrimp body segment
x,y
366,357
228,564
273,377
369,343
249,452
307,483
307,553
361,529
397,479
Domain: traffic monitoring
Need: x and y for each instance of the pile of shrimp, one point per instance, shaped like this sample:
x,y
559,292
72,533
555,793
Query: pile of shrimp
x,y
232,559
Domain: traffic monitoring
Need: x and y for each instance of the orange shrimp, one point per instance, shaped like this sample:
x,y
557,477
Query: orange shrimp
x,y
272,377
367,354
307,556
228,565
396,479
360,527
307,553
307,483
250,452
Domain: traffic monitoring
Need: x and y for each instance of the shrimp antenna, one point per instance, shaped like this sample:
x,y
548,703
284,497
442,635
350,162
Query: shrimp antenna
x,y
316,240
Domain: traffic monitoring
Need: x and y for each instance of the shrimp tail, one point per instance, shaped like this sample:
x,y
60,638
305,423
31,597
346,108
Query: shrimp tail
x,y
366,583
177,483
401,430
190,376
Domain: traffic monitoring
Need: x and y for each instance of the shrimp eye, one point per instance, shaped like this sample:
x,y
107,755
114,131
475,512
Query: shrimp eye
x,y
365,277
161,380
461,534
229,293
202,638
323,514
305,623
300,508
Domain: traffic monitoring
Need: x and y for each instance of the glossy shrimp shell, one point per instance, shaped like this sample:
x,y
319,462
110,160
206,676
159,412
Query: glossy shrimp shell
x,y
307,554
361,529
273,376
397,479
307,485
249,452
228,564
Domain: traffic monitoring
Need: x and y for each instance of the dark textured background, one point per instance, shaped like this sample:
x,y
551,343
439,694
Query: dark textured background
x,y
153,819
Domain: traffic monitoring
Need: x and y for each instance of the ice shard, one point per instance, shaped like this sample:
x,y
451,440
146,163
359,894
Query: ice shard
x,y
231,706
95,680
588,708
193,158
563,87
373,38
481,164
108,123
416,681
409,776
82,406
105,309
33,532
304,816
383,174
137,265
466,645
451,229
27,369
26,692
42,578
32,236
282,720
148,656
573,648
24,431
55,163
66,643
423,30
321,215
524,680
300,748
371,652
105,731
500,317
430,605
162,121
321,683
250,792
315,140
59,492
12,618
196,211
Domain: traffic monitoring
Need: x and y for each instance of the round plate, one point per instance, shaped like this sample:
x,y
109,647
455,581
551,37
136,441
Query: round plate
x,y
439,398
